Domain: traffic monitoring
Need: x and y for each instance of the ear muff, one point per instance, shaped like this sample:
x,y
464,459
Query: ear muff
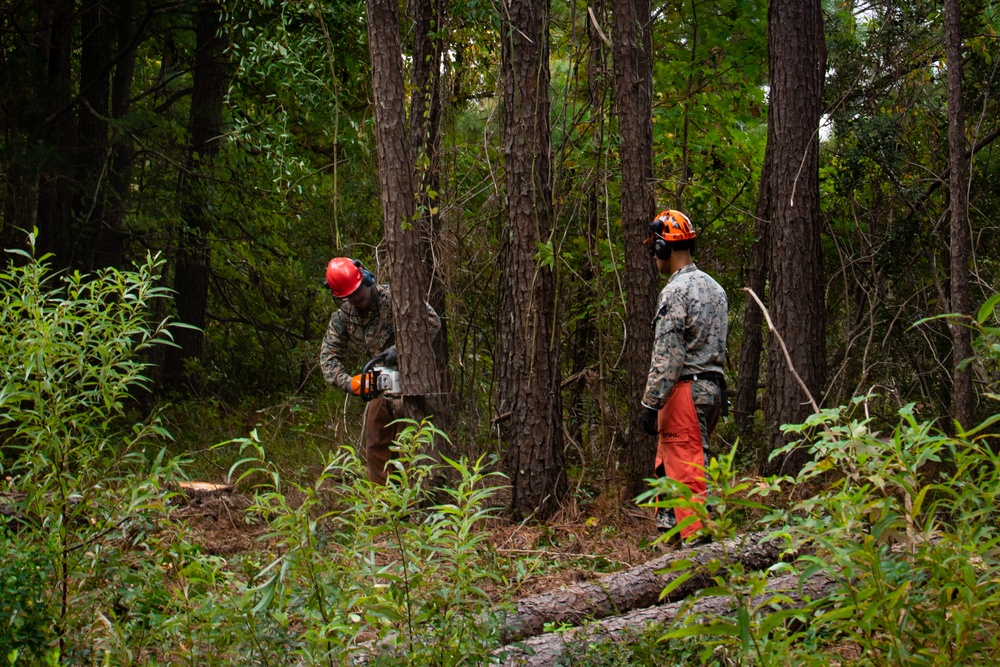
x,y
657,244
662,249
367,279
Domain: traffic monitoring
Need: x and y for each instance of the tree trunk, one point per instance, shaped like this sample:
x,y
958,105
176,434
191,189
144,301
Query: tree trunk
x,y
550,649
962,396
109,247
59,134
745,402
634,588
92,134
796,61
529,400
196,191
410,279
584,348
634,97
425,124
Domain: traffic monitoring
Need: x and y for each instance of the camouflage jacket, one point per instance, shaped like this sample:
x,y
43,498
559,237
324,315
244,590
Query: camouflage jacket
x,y
691,325
372,330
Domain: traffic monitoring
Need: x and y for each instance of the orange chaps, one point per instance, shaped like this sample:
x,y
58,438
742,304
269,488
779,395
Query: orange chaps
x,y
679,453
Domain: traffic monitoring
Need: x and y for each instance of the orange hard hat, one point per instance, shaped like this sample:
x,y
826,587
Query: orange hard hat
x,y
672,226
343,277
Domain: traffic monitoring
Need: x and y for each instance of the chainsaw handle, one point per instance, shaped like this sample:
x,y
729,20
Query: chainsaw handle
x,y
369,381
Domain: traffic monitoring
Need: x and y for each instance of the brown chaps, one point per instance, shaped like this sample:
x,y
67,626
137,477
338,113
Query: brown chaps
x,y
378,437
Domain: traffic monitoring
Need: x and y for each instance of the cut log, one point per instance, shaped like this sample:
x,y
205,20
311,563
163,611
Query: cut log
x,y
199,489
635,588
546,650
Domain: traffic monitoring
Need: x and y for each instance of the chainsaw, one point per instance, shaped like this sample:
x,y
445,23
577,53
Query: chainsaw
x,y
376,380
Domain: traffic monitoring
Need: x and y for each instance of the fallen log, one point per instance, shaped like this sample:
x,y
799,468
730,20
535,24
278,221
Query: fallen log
x,y
634,588
546,650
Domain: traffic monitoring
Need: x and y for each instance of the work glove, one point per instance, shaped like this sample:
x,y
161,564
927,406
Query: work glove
x,y
356,385
389,356
649,419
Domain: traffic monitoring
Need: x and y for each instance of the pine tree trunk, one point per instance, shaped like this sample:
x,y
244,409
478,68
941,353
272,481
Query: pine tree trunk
x,y
631,35
639,586
958,182
529,400
92,136
745,402
196,192
410,279
797,306
109,247
54,202
425,125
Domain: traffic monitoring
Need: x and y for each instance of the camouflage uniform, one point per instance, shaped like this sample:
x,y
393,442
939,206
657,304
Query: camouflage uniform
x,y
372,330
691,326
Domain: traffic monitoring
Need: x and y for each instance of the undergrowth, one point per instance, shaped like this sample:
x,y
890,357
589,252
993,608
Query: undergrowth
x,y
96,565
97,568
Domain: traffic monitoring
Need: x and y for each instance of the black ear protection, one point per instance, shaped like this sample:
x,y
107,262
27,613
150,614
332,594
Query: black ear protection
x,y
658,247
367,279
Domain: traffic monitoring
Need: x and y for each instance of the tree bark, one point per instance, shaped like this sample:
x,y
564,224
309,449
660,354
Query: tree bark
x,y
109,247
59,134
529,400
196,191
551,649
958,183
634,588
410,279
797,63
584,351
425,125
632,39
92,134
745,402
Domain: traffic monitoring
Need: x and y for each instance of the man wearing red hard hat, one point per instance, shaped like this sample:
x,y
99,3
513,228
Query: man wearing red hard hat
x,y
364,320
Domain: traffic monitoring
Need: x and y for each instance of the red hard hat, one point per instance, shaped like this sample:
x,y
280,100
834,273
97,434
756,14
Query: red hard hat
x,y
343,277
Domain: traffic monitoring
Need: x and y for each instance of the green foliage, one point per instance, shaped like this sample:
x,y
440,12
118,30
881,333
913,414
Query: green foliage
x,y
905,526
84,481
402,565
26,610
96,568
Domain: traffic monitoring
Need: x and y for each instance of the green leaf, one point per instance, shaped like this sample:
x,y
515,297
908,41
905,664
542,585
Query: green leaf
x,y
986,310
546,255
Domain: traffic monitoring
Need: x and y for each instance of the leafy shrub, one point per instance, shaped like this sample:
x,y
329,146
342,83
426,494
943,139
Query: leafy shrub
x,y
393,573
85,482
26,613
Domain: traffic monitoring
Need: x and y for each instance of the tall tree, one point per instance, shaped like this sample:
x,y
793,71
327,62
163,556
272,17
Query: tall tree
x,y
958,196
796,59
529,400
97,24
410,278
109,249
58,134
425,126
632,39
196,190
745,401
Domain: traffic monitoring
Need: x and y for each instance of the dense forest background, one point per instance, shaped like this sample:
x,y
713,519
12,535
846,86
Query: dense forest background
x,y
175,175
239,141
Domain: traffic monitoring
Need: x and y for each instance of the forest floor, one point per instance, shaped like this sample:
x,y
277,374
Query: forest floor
x,y
573,546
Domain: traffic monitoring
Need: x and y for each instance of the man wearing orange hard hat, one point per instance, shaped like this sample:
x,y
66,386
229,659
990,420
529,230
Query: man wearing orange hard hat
x,y
685,389
364,321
